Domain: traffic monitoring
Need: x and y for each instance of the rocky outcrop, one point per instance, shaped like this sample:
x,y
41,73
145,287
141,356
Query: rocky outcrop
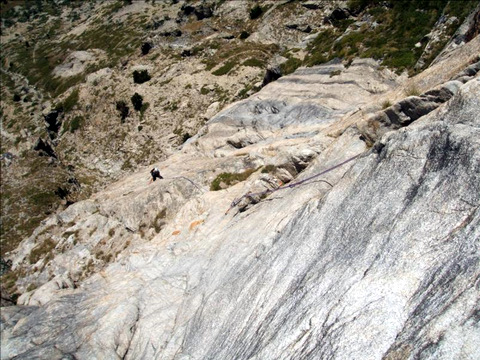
x,y
465,33
412,108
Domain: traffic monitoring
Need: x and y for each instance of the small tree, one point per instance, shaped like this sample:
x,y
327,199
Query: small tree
x,y
146,47
256,12
123,108
139,77
244,34
137,101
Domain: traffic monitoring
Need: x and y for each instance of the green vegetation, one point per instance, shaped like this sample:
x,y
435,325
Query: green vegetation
x,y
137,101
230,179
69,103
335,73
123,109
254,63
186,136
225,69
400,26
290,65
144,108
204,90
243,35
173,106
76,123
256,12
386,104
41,250
412,90
270,169
139,77
236,52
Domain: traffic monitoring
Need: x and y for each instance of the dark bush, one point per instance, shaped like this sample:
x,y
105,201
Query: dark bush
x,y
139,77
76,123
123,108
16,98
244,35
256,12
146,47
137,101
185,137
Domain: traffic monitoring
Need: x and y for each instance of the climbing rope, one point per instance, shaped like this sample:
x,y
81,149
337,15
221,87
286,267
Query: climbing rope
x,y
290,186
190,181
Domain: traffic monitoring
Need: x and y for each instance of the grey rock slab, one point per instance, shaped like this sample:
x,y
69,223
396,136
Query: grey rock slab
x,y
384,264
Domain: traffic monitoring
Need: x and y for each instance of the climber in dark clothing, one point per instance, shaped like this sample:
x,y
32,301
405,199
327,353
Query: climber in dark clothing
x,y
155,174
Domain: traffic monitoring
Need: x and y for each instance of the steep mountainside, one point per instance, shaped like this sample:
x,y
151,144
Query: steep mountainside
x,y
331,213
70,70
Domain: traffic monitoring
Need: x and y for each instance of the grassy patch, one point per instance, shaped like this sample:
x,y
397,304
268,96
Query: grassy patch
x,y
412,90
269,169
335,73
229,179
76,123
290,65
386,104
41,250
400,26
225,69
255,12
69,103
254,63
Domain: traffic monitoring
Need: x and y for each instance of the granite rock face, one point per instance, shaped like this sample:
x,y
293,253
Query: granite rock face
x,y
377,259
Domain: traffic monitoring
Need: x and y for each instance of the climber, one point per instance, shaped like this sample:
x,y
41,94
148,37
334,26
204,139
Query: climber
x,y
155,174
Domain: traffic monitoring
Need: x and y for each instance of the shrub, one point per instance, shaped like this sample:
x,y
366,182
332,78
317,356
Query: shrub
x,y
230,179
412,90
16,98
76,123
335,73
185,137
139,77
69,103
225,69
137,101
386,104
269,169
143,109
244,35
123,108
146,47
253,63
290,65
40,250
256,12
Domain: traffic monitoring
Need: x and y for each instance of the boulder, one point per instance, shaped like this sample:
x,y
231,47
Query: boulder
x,y
272,74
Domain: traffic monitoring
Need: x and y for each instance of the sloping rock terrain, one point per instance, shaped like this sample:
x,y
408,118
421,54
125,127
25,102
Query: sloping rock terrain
x,y
70,70
376,259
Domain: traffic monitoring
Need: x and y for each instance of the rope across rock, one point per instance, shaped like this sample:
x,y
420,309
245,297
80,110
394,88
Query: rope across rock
x,y
292,185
